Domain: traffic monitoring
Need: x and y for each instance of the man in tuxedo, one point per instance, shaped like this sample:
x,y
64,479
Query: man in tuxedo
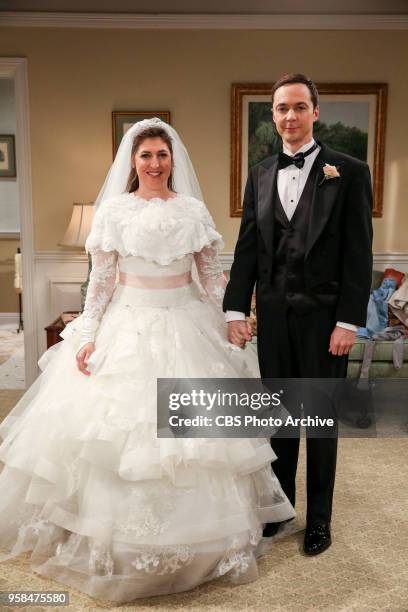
x,y
305,241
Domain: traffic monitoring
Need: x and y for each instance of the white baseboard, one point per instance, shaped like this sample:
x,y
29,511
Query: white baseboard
x,y
9,320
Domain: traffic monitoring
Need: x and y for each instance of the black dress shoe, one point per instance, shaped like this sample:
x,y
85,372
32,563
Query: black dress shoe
x,y
271,529
317,539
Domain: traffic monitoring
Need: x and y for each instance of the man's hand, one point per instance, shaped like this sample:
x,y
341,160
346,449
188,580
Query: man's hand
x,y
239,332
341,341
83,356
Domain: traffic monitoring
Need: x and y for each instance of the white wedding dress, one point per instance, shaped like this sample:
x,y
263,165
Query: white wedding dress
x,y
103,504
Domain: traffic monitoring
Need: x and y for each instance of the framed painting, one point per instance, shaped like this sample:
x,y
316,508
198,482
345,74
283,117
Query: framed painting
x,y
352,120
123,120
7,157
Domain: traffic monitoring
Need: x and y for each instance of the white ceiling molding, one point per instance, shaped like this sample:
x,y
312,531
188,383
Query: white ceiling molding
x,y
203,22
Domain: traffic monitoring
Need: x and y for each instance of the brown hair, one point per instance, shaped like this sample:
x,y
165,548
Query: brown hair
x,y
151,132
296,77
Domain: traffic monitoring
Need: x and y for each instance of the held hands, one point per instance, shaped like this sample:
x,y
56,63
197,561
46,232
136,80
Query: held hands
x,y
239,332
341,341
83,356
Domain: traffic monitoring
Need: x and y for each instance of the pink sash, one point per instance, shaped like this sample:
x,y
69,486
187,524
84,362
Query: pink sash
x,y
155,282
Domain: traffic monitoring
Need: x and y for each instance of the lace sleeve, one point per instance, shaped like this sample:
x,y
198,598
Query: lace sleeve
x,y
101,285
211,274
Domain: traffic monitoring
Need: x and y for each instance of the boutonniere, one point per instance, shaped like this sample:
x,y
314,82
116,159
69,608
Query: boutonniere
x,y
329,172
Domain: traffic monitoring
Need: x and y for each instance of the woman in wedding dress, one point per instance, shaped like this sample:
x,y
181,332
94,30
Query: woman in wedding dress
x,y
101,502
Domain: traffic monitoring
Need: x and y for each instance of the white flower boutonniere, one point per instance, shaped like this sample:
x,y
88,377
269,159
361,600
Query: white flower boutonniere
x,y
329,172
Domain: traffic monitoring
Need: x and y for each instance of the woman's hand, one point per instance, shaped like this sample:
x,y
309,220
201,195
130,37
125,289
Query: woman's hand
x,y
239,333
83,356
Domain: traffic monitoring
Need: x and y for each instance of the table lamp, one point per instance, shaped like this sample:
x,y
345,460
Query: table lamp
x,y
77,233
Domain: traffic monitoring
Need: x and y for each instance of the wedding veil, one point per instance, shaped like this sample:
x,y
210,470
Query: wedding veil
x,y
184,177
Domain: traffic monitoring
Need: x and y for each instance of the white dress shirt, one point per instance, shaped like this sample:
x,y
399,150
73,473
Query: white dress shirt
x,y
291,182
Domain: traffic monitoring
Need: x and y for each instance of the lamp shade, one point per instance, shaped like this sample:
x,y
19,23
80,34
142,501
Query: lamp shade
x,y
79,226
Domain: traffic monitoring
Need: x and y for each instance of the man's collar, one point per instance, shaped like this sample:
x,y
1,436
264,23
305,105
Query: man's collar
x,y
302,149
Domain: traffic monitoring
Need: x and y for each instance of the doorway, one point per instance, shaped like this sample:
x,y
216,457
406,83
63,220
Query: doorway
x,y
16,229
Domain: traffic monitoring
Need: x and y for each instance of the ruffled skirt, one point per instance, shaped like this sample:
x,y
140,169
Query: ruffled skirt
x,y
103,504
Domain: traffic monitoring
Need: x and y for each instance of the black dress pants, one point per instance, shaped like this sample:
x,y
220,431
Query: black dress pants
x,y
292,345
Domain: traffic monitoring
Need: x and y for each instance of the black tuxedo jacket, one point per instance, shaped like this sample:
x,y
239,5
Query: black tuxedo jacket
x,y
338,259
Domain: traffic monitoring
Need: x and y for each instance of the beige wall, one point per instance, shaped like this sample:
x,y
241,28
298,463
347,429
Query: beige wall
x,y
77,77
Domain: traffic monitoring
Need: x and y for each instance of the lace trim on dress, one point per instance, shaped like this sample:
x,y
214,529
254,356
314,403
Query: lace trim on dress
x,y
100,289
211,274
237,559
162,560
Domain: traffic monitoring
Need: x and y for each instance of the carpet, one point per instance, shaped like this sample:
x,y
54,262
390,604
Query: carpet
x,y
12,371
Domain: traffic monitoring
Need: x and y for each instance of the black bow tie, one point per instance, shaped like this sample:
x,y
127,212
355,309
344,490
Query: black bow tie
x,y
298,160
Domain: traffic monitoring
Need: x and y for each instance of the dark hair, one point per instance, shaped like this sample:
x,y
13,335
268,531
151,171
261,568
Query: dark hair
x,y
295,77
151,132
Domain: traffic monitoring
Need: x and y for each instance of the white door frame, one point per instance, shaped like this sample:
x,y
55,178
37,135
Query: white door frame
x,y
16,68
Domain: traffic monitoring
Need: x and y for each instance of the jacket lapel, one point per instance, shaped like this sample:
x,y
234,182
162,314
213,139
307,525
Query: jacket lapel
x,y
324,197
266,199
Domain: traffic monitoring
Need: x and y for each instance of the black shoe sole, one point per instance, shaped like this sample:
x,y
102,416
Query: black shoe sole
x,y
321,549
272,531
276,528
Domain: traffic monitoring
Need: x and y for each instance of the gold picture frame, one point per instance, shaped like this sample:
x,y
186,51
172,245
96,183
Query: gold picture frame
x,y
7,156
123,120
371,98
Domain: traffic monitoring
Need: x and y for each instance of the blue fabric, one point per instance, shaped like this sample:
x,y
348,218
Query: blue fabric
x,y
377,311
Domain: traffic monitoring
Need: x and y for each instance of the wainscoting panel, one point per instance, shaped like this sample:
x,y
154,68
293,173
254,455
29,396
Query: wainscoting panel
x,y
58,279
64,294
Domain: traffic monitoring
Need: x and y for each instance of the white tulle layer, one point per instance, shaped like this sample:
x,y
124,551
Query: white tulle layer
x,y
104,505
